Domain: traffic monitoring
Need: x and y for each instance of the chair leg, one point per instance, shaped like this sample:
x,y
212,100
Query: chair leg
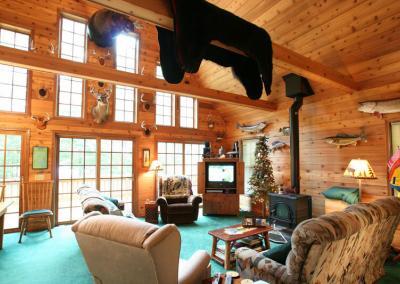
x,y
49,225
22,230
26,225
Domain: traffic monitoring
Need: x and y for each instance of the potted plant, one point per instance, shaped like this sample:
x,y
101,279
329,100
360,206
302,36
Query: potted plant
x,y
262,180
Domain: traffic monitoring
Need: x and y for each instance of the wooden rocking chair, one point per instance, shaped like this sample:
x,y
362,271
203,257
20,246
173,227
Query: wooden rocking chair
x,y
36,204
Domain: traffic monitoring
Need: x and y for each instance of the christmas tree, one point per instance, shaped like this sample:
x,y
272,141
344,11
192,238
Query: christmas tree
x,y
262,180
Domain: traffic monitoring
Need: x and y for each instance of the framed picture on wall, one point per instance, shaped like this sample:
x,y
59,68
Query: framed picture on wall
x,y
146,158
40,157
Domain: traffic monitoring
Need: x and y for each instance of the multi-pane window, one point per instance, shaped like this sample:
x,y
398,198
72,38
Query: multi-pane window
x,y
73,40
70,96
104,164
249,157
180,159
159,73
77,166
13,80
10,168
127,49
188,112
116,170
125,104
165,109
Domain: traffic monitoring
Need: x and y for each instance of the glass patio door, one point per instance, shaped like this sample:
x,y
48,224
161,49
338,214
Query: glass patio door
x,y
10,174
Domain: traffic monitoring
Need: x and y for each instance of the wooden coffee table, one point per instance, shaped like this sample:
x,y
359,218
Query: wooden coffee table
x,y
220,234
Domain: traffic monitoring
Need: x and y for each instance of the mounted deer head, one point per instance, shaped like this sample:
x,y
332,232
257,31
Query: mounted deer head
x,y
52,48
147,129
146,103
102,59
101,110
41,120
32,46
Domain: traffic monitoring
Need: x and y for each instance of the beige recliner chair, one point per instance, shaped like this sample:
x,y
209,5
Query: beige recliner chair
x,y
123,250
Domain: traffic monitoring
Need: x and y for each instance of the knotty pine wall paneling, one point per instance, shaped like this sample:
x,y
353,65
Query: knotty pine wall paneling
x,y
42,19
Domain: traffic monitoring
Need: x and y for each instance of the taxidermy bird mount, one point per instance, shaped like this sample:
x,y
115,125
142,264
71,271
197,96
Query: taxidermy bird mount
x,y
196,24
41,120
105,25
101,110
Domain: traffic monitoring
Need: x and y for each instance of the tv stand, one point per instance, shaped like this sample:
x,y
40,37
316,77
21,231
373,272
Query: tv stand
x,y
220,201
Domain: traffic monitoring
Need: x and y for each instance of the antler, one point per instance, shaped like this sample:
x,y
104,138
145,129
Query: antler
x,y
143,125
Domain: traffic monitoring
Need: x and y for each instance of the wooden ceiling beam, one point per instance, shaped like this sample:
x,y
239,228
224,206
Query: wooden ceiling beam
x,y
157,12
35,61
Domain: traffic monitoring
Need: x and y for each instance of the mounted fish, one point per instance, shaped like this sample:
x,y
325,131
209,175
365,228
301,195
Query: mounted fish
x,y
380,107
342,140
105,25
285,131
256,128
278,145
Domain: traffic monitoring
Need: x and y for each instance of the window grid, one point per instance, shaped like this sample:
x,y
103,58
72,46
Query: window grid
x,y
116,169
10,176
180,159
188,112
127,52
70,96
125,104
77,166
73,40
13,80
165,109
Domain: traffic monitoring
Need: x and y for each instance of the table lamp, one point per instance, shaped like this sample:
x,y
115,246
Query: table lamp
x,y
359,169
156,166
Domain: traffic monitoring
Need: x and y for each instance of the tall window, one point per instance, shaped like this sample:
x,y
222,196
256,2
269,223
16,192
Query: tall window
x,y
180,159
116,170
73,40
77,166
127,48
13,80
125,104
249,150
159,73
165,109
104,164
188,112
10,168
70,96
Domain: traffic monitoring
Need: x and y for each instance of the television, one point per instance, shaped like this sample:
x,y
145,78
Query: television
x,y
220,175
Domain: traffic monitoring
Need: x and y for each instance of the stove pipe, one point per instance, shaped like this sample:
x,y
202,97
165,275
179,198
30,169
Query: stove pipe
x,y
297,87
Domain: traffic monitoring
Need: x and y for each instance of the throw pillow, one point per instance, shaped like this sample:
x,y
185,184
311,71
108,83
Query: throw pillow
x,y
279,253
347,194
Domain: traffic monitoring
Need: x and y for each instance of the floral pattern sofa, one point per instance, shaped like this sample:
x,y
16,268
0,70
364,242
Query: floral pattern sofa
x,y
340,247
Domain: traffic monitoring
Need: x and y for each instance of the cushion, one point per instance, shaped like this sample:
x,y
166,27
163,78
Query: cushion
x,y
180,208
37,212
347,194
176,186
279,253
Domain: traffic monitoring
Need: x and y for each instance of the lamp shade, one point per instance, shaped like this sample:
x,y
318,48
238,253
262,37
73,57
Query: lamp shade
x,y
155,166
359,169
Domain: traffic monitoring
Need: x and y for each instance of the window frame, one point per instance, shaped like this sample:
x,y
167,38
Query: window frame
x,y
28,32
135,104
74,18
195,112
83,105
137,59
173,110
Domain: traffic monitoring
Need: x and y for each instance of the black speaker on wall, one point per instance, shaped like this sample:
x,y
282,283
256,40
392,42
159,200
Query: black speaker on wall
x,y
297,86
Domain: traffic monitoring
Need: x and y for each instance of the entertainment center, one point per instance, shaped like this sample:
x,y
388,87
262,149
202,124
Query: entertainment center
x,y
221,181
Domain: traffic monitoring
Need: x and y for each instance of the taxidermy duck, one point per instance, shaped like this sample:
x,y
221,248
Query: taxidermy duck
x,y
380,107
342,140
256,128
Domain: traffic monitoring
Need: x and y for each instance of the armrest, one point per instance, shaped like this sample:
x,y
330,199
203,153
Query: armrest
x,y
194,199
195,269
253,265
162,201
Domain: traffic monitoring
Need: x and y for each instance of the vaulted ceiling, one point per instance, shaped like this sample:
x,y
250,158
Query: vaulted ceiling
x,y
358,38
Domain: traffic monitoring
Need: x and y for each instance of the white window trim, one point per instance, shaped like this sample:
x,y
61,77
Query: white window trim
x,y
75,19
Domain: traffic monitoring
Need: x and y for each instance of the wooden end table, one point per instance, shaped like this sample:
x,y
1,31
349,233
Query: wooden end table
x,y
151,212
3,209
220,234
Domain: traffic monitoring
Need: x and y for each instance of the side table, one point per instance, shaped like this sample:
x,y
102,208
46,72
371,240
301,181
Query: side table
x,y
151,212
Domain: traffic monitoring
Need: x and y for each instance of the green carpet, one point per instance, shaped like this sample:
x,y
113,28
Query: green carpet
x,y
40,259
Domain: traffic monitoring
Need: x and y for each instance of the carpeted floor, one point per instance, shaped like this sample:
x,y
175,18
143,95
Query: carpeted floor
x,y
42,260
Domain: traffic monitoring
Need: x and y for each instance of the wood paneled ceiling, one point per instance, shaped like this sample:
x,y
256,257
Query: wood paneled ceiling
x,y
359,38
